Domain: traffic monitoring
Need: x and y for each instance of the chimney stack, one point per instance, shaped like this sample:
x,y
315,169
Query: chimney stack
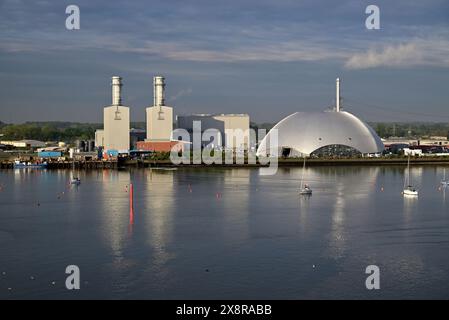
x,y
158,91
337,106
116,91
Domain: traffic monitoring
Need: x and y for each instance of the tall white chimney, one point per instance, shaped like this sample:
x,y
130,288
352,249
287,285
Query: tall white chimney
x,y
337,99
159,91
116,91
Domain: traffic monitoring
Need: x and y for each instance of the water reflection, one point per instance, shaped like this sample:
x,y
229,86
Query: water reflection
x,y
260,233
337,239
159,200
112,188
234,200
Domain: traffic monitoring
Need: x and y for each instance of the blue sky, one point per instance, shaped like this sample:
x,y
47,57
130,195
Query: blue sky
x,y
265,58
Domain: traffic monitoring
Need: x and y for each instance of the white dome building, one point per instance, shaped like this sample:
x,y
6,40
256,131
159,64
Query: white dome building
x,y
302,133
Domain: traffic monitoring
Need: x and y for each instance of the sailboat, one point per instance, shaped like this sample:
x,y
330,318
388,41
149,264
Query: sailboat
x,y
304,188
409,190
444,182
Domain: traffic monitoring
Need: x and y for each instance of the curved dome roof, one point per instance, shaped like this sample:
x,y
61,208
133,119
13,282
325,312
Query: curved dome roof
x,y
305,132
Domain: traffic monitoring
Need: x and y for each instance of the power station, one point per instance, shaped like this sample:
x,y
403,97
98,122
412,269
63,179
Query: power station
x,y
116,121
117,138
159,116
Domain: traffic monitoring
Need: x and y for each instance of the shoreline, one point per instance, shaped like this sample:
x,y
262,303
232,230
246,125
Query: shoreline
x,y
94,165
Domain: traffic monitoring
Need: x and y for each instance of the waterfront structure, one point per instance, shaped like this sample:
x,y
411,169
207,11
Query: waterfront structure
x,y
328,132
99,138
116,117
160,146
231,130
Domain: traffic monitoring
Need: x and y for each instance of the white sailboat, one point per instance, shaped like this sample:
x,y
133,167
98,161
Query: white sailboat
x,y
409,189
304,188
444,182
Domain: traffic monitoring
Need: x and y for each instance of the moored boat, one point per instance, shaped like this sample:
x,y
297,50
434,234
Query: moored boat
x,y
29,165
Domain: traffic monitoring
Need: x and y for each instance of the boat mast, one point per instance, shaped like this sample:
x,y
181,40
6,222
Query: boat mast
x,y
408,166
303,169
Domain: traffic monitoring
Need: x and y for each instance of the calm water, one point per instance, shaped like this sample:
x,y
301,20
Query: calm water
x,y
224,233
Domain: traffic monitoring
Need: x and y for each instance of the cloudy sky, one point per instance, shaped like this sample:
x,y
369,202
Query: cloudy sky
x,y
268,58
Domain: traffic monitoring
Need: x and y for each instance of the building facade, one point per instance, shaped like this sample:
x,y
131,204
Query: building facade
x,y
116,120
229,131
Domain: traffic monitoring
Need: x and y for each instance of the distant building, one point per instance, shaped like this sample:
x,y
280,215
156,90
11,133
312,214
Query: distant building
x,y
136,135
161,146
32,144
333,132
159,116
116,121
226,126
99,138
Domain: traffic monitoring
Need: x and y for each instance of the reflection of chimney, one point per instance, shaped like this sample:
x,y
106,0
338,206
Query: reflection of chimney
x,y
158,91
337,106
116,91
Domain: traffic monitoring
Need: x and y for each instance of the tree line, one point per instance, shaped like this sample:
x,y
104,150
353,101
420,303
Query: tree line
x,y
415,130
70,131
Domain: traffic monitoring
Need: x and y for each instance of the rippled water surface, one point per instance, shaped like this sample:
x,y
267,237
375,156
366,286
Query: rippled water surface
x,y
224,233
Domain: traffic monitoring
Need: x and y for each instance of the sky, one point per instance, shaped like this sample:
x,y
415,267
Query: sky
x,y
267,58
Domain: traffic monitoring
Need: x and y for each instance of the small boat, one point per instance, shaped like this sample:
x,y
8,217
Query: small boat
x,y
304,188
409,190
29,165
75,181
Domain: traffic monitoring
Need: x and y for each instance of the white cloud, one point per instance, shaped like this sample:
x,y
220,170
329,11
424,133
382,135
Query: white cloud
x,y
420,52
181,93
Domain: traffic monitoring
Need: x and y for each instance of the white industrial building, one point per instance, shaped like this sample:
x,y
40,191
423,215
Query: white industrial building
x,y
116,118
305,133
99,138
231,130
159,116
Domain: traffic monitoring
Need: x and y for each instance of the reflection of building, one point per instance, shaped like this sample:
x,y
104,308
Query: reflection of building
x,y
116,121
232,129
303,133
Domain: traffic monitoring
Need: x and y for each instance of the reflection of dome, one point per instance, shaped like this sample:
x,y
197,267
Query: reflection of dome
x,y
304,132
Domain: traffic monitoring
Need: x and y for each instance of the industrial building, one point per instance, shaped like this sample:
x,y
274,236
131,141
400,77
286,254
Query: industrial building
x,y
159,123
159,116
115,135
314,133
99,138
135,135
232,130
30,144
